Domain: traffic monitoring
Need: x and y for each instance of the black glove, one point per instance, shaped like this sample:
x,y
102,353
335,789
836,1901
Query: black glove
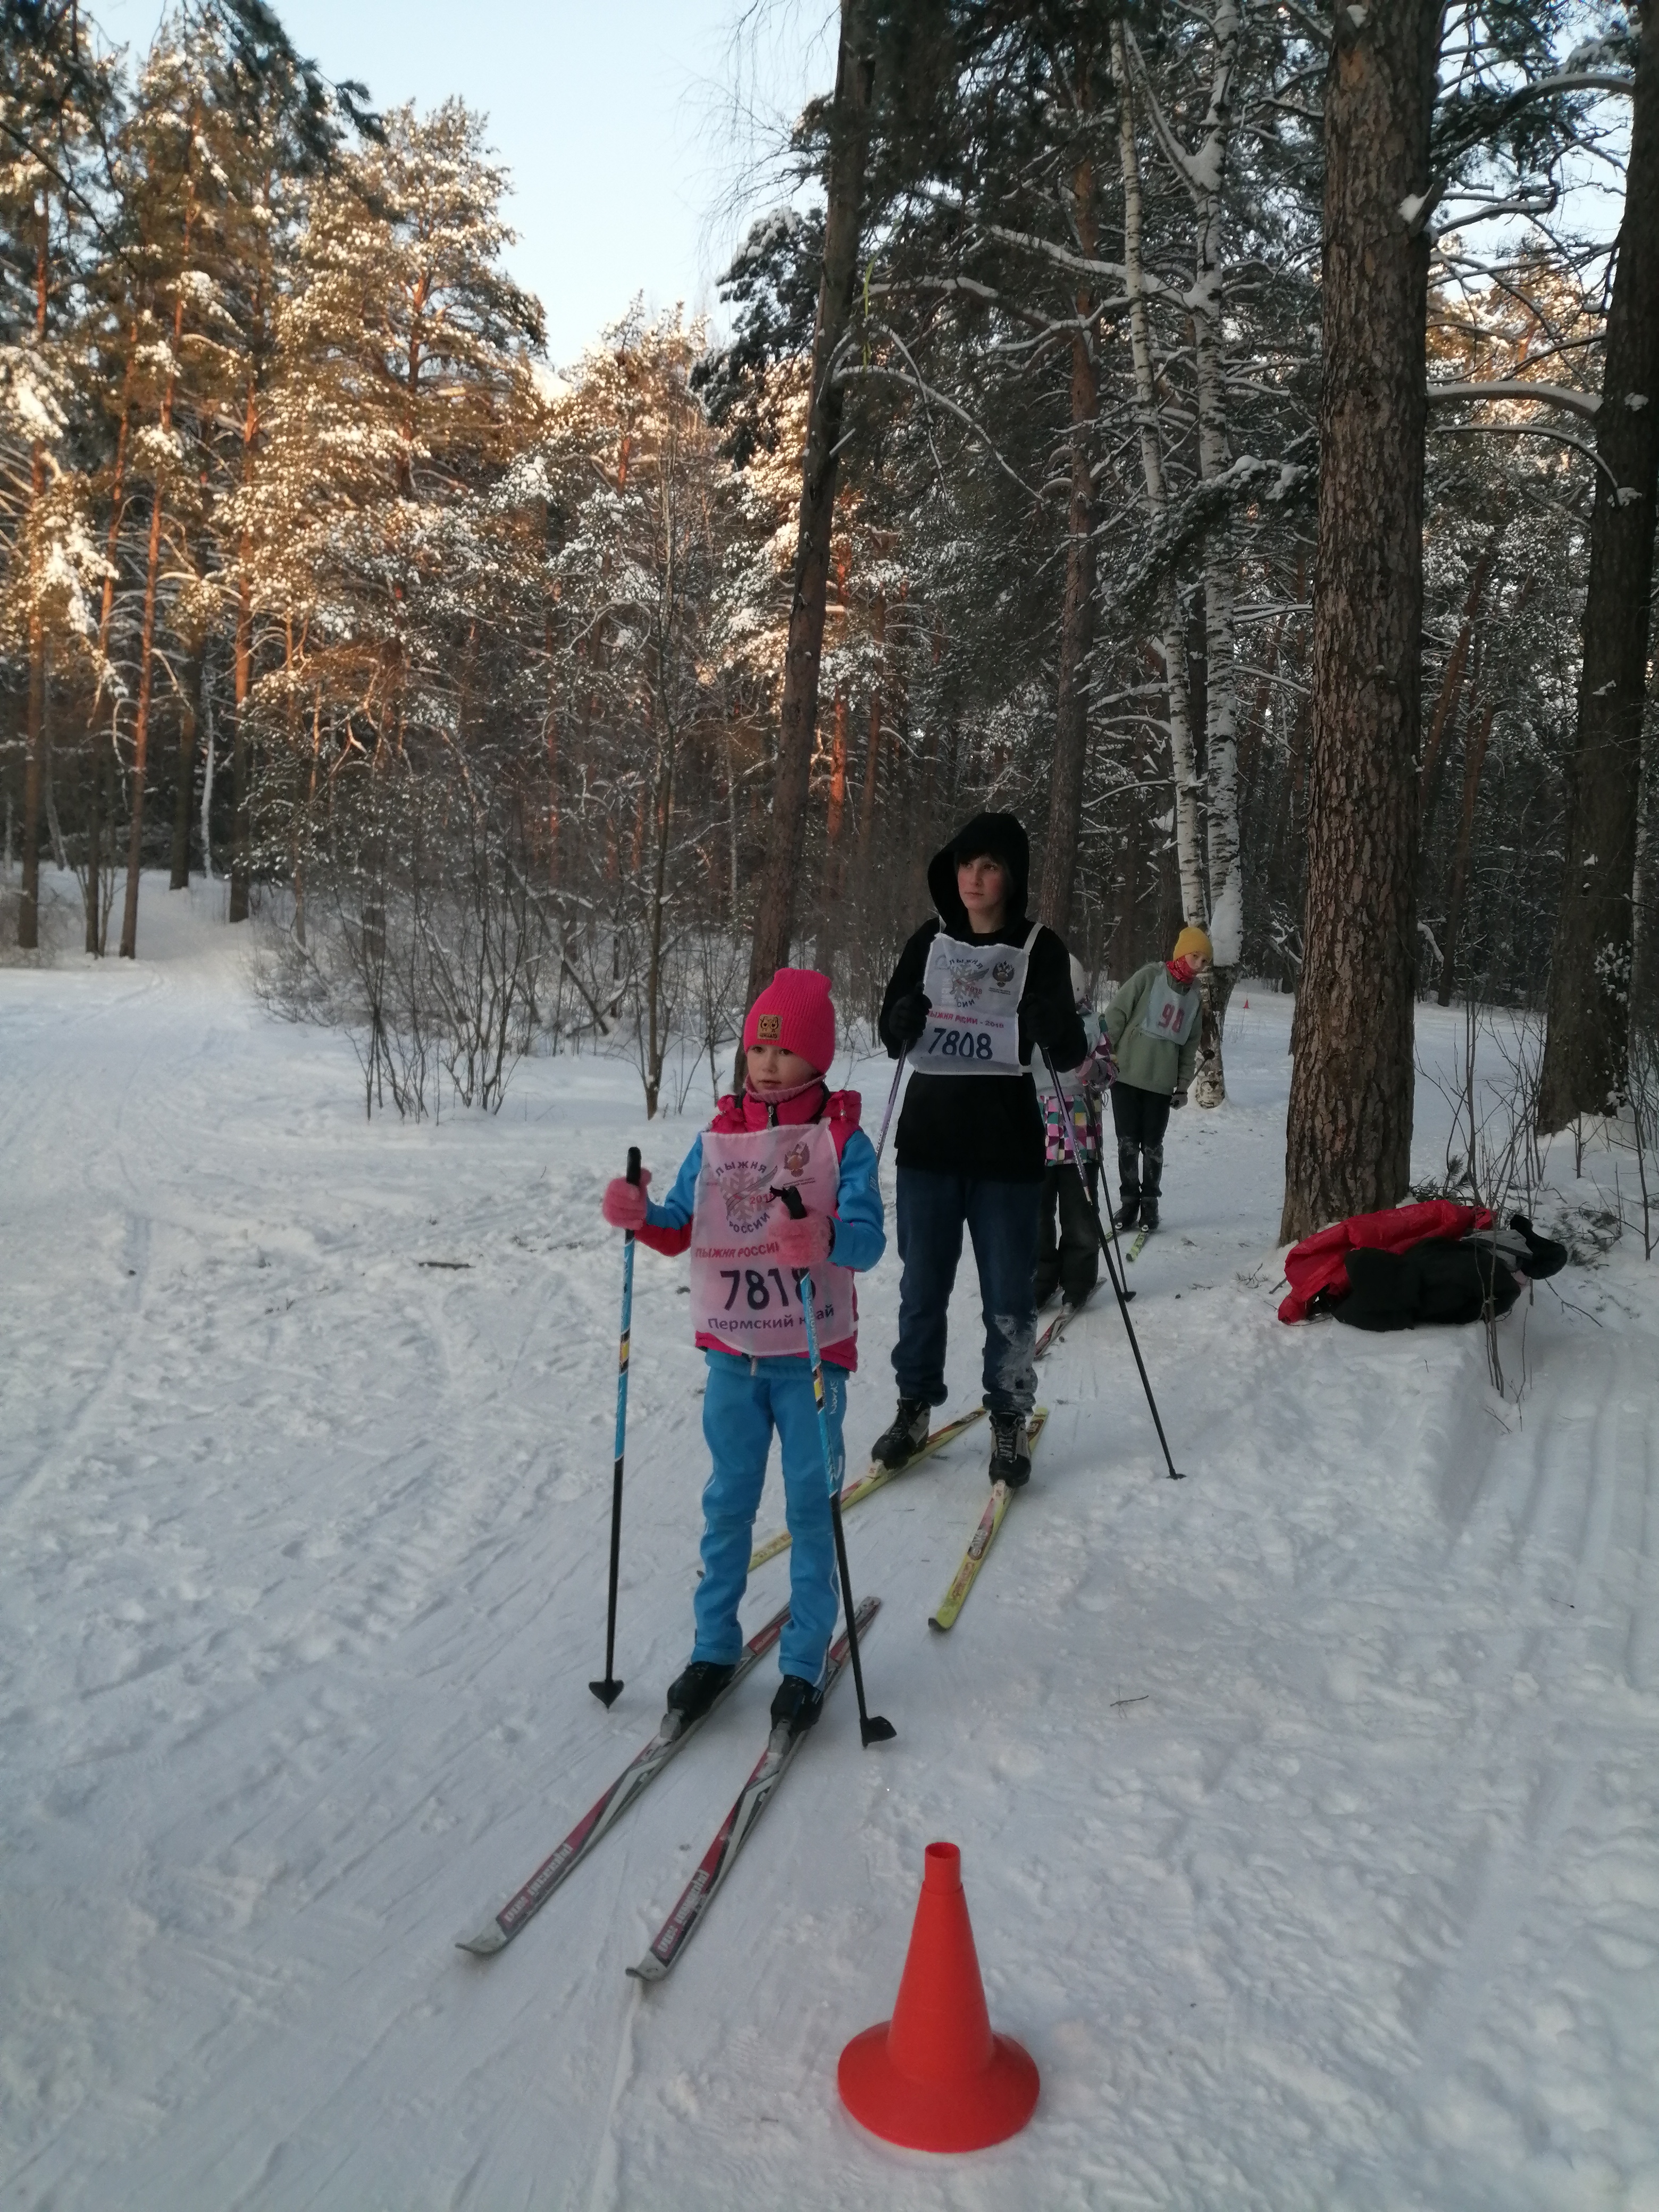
x,y
1177,1099
907,1017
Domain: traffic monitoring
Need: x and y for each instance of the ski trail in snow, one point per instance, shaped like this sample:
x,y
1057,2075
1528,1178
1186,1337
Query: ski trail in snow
x,y
1309,1807
605,2194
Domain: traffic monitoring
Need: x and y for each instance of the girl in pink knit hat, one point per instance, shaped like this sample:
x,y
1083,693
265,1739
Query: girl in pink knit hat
x,y
787,1127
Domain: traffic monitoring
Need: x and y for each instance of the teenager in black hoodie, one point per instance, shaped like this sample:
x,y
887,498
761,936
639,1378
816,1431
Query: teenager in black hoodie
x,y
970,1138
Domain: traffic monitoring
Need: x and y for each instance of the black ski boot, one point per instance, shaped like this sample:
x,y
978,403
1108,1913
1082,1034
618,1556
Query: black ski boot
x,y
1151,1183
796,1707
907,1436
1128,1185
1011,1453
691,1694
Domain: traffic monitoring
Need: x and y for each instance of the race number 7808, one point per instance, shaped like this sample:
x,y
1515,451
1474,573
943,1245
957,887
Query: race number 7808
x,y
962,1044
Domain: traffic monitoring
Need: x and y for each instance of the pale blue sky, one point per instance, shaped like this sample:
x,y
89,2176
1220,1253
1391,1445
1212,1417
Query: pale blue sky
x,y
615,116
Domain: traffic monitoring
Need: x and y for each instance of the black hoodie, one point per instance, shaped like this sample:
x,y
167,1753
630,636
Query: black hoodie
x,y
989,1125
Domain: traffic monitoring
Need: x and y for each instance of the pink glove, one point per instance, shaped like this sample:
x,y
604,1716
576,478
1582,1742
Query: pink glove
x,y
803,1243
1099,1071
624,1205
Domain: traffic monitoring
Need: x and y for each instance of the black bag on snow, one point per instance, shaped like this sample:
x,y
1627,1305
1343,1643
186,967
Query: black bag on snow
x,y
1438,1280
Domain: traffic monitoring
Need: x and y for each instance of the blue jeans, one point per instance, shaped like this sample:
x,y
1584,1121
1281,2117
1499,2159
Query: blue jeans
x,y
744,1402
1002,1219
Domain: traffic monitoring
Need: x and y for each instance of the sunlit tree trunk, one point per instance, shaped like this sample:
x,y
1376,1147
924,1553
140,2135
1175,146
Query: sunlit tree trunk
x,y
848,118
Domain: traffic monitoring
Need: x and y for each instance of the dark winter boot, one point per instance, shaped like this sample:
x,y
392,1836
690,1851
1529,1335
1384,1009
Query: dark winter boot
x,y
905,1438
1128,1185
1011,1453
691,1694
796,1707
1150,1185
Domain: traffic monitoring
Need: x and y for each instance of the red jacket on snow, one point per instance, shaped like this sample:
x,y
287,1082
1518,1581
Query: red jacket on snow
x,y
1318,1262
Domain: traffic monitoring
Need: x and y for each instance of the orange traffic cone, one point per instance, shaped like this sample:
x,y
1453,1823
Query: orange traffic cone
x,y
934,2077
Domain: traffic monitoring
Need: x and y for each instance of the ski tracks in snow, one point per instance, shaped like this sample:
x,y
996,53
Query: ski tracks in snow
x,y
1309,1806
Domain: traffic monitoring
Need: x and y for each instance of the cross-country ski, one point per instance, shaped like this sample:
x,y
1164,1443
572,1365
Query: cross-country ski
x,y
1056,1329
944,1613
878,1477
751,1800
671,1739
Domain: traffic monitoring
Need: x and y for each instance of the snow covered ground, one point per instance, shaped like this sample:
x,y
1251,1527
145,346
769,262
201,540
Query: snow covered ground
x,y
1310,1808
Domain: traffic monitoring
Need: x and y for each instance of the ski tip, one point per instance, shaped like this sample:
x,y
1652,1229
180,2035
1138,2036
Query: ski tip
x,y
650,1969
607,1692
485,1943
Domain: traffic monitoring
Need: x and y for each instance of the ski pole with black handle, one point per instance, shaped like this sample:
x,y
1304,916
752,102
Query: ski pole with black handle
x,y
872,1727
1122,1303
610,1690
892,1101
1097,1135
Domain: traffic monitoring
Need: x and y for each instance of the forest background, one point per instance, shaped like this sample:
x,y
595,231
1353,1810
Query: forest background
x,y
523,708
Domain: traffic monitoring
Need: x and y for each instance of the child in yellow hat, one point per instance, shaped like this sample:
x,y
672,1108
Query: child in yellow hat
x,y
1154,1024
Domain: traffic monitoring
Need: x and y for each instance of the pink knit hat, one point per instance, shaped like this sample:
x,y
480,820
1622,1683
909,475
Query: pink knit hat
x,y
795,1012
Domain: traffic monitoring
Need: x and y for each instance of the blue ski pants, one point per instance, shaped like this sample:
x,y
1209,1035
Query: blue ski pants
x,y
1003,1220
746,1400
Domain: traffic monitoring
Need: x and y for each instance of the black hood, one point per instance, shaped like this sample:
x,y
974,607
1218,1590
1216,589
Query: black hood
x,y
1003,837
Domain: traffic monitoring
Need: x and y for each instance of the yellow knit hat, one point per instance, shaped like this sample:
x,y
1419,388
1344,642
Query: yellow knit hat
x,y
1192,945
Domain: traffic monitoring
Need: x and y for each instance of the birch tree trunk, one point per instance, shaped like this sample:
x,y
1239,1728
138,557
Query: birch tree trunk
x,y
849,133
129,948
207,771
28,904
105,782
189,690
1172,643
1349,1134
1077,621
1208,170
1588,1008
1203,173
241,754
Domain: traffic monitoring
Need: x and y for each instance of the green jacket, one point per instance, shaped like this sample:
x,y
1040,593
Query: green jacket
x,y
1146,1062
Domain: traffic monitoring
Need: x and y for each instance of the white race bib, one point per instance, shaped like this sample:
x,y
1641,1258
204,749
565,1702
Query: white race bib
x,y
741,1291
976,988
1170,1015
